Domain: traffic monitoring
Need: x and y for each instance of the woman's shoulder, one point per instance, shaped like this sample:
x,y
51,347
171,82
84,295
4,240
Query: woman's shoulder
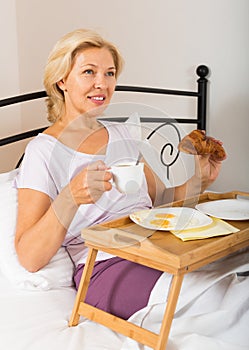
x,y
41,139
54,130
40,144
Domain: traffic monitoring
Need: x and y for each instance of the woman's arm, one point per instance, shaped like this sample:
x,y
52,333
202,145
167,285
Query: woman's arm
x,y
206,171
42,224
39,230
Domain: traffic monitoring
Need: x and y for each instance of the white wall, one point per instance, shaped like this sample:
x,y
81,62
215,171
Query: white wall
x,y
9,55
10,121
162,42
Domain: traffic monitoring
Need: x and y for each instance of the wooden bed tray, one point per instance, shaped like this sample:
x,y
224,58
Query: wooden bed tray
x,y
164,252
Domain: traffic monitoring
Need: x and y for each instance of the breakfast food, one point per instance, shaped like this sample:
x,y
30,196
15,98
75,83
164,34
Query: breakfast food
x,y
160,223
198,143
165,215
162,220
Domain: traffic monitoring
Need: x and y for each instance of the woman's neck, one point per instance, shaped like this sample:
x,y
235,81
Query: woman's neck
x,y
82,122
82,134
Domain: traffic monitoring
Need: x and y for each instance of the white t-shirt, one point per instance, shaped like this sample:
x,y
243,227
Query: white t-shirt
x,y
49,165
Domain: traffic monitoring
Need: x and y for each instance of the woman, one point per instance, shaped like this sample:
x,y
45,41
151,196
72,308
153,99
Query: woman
x,y
64,183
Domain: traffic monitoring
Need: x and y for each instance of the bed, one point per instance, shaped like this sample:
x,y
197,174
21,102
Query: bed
x,y
213,309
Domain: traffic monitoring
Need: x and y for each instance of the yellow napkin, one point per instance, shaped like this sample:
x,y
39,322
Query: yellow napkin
x,y
217,228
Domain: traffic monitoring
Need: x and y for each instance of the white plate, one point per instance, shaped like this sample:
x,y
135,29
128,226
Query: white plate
x,y
178,218
227,209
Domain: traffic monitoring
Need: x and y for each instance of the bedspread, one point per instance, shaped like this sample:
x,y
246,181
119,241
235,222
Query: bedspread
x,y
212,313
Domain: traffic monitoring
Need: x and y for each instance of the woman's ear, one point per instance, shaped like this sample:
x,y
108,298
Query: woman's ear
x,y
61,85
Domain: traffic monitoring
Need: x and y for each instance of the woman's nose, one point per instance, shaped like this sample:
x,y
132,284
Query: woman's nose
x,y
100,81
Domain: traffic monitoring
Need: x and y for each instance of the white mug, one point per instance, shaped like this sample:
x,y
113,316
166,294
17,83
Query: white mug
x,y
128,177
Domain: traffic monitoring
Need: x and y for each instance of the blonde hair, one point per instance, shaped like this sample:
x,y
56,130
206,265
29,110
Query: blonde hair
x,y
60,62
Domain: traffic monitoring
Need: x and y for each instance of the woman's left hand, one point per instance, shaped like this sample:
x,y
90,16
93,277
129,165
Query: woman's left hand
x,y
206,170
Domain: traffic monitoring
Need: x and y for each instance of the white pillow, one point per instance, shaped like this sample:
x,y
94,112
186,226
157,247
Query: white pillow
x,y
59,271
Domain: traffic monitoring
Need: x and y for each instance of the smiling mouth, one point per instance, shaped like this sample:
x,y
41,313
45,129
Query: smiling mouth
x,y
97,98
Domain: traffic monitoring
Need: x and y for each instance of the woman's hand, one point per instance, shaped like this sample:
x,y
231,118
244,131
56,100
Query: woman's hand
x,y
90,183
206,170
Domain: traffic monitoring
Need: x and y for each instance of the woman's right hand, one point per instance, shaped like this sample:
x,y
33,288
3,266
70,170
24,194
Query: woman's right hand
x,y
90,183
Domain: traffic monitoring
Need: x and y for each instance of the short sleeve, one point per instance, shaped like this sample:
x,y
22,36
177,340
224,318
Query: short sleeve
x,y
34,171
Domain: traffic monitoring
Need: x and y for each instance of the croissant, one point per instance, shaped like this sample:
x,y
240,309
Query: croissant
x,y
198,143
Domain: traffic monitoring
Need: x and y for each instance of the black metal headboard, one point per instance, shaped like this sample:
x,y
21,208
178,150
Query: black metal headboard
x,y
199,120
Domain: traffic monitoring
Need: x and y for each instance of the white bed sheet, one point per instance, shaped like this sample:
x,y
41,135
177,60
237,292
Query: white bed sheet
x,y
38,320
212,314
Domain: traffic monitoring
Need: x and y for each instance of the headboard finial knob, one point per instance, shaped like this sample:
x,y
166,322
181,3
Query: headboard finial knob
x,y
202,71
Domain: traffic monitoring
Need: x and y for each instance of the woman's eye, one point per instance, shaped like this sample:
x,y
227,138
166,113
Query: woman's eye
x,y
110,74
88,71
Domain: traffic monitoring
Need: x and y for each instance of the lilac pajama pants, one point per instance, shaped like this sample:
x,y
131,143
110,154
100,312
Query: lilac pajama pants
x,y
119,286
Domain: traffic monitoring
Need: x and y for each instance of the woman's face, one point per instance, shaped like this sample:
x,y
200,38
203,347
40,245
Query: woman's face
x,y
90,83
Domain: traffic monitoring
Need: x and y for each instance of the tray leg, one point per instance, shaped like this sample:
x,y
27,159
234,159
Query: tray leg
x,y
169,311
83,287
